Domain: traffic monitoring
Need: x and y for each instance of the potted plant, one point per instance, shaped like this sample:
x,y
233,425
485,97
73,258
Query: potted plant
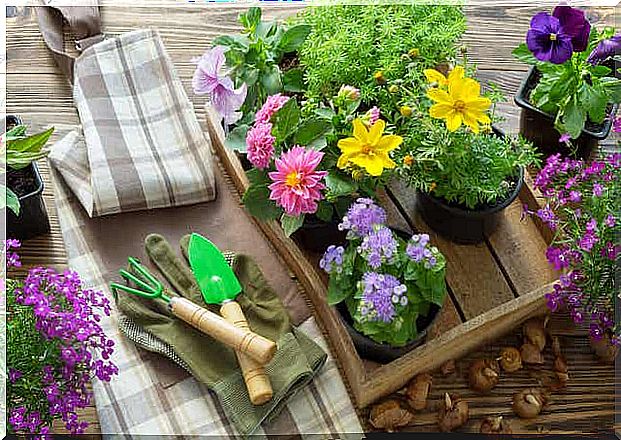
x,y
570,94
26,216
307,164
240,71
54,347
464,172
388,286
583,206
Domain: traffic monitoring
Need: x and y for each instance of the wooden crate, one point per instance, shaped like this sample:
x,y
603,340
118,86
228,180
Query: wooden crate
x,y
493,286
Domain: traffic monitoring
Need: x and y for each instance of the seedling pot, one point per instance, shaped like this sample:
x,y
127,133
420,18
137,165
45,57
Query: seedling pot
x,y
316,235
538,126
459,223
28,186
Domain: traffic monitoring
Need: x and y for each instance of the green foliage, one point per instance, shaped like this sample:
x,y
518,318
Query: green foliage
x,y
576,91
349,43
254,57
21,151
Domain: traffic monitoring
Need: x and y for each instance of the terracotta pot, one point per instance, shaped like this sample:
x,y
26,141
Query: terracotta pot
x,y
538,126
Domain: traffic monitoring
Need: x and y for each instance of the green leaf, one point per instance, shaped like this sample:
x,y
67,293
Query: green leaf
x,y
240,42
251,18
293,80
286,120
612,87
18,131
32,143
524,55
271,80
337,291
236,140
574,118
339,185
258,177
257,203
11,201
600,71
319,144
325,113
293,38
325,211
595,101
311,130
291,224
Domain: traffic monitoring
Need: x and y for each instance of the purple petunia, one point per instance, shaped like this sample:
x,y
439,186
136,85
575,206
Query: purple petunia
x,y
605,49
361,217
209,80
555,37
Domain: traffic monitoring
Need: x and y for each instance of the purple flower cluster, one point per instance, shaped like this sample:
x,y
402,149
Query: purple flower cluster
x,y
66,316
378,247
381,294
361,217
583,201
332,259
418,250
12,258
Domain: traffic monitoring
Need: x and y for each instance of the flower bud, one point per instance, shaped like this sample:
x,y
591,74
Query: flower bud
x,y
408,160
414,52
379,77
405,111
357,175
393,89
349,92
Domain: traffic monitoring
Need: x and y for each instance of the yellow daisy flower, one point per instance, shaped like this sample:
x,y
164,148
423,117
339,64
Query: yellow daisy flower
x,y
433,76
368,149
461,103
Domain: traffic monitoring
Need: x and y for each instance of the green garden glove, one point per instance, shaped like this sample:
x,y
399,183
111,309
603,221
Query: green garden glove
x,y
150,325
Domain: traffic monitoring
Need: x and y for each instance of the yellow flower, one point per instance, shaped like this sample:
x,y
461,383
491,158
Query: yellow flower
x,y
414,52
379,77
433,76
408,160
461,103
405,110
368,149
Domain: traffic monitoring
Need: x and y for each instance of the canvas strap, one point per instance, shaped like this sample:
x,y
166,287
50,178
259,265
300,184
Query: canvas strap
x,y
84,22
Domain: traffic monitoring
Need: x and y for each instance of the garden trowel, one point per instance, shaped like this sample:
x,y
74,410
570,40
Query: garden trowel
x,y
219,285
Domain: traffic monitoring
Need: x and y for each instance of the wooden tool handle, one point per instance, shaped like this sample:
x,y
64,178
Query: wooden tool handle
x,y
257,380
259,348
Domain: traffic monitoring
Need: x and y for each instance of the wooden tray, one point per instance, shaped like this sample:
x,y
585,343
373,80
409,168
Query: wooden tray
x,y
493,286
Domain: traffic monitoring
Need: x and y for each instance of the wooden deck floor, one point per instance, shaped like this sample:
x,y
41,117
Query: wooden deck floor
x,y
39,93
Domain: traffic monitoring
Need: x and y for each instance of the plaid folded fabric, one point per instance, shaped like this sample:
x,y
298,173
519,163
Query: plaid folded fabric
x,y
141,146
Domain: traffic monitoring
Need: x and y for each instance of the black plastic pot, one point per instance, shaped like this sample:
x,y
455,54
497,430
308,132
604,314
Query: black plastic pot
x,y
367,348
32,219
538,126
316,235
459,223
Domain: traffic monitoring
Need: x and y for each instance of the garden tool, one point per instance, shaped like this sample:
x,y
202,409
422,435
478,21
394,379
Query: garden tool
x,y
219,285
242,340
150,326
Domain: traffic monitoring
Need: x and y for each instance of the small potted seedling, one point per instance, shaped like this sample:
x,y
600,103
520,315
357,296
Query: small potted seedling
x,y
26,214
388,286
570,94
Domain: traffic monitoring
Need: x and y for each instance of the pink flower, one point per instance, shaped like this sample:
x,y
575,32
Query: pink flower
x,y
272,105
374,115
297,185
209,80
616,124
260,143
564,138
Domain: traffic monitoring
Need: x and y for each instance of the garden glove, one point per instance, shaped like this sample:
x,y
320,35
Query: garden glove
x,y
149,324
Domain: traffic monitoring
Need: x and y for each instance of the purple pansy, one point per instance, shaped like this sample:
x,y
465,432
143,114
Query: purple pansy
x,y
605,49
208,79
555,37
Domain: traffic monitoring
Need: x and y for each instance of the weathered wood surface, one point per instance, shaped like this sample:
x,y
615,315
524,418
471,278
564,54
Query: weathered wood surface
x,y
37,91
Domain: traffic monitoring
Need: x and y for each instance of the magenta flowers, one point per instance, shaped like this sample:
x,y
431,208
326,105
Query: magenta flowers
x,y
209,79
297,184
260,144
556,37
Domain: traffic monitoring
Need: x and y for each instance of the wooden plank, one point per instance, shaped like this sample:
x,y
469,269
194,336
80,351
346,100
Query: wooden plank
x,y
472,272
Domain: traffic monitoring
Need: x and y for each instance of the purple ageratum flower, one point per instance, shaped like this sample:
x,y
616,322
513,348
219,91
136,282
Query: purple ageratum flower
x,y
378,247
209,80
377,297
555,37
605,49
361,217
332,259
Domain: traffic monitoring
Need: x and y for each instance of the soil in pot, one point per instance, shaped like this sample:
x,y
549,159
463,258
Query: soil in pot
x,y
383,353
538,127
316,235
460,224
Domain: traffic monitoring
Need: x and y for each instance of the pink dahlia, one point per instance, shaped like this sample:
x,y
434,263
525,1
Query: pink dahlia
x,y
297,185
260,144
272,105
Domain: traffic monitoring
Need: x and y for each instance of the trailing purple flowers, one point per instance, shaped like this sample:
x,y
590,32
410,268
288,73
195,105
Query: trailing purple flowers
x,y
55,347
583,204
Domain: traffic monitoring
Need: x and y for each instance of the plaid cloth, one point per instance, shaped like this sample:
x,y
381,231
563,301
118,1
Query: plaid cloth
x,y
142,146
152,397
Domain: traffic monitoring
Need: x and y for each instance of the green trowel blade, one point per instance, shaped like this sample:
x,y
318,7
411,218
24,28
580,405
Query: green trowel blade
x,y
215,277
